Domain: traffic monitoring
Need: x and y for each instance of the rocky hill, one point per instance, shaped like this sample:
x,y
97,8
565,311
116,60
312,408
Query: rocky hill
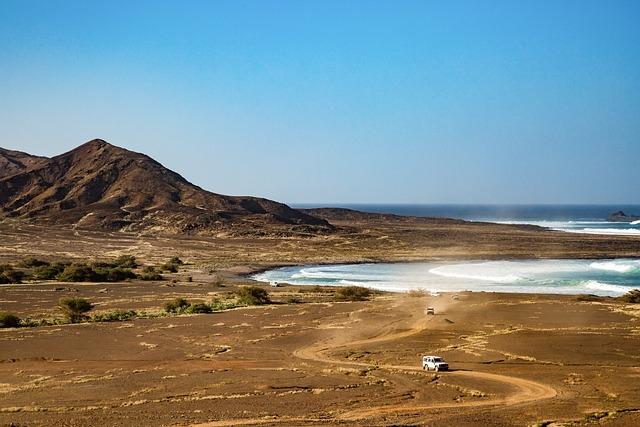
x,y
98,185
12,162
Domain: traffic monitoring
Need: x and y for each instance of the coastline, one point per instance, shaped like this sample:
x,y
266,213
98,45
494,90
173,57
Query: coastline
x,y
307,355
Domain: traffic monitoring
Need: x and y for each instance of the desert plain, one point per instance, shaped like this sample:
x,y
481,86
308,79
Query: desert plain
x,y
308,358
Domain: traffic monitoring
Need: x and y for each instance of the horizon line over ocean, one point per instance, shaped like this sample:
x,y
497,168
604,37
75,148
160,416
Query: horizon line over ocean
x,y
577,218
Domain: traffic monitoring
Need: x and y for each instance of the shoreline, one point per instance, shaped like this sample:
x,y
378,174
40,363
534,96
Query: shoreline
x,y
530,276
263,268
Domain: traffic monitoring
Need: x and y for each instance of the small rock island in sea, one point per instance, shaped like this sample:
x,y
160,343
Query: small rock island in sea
x,y
620,216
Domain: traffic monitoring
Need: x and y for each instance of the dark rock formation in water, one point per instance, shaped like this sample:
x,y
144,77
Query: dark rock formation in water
x,y
620,216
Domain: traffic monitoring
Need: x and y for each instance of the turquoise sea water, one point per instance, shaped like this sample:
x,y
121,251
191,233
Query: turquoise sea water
x,y
600,277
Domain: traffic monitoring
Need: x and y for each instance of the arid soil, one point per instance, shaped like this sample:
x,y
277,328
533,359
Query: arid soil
x,y
516,359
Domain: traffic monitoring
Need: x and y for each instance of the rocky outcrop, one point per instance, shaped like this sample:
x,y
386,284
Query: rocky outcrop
x,y
620,216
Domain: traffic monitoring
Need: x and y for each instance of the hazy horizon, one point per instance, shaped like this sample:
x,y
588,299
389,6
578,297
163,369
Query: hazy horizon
x,y
498,103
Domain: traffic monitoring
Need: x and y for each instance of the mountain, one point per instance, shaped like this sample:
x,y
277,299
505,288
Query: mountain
x,y
98,185
12,162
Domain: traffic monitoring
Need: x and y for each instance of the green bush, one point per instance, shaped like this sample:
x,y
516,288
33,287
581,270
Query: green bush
x,y
633,296
176,260
171,268
150,273
86,273
126,261
49,272
178,305
115,316
78,273
74,308
252,295
352,293
173,264
9,320
218,305
199,308
114,274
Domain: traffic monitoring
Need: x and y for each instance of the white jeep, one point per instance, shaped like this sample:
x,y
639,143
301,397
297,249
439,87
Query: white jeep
x,y
435,363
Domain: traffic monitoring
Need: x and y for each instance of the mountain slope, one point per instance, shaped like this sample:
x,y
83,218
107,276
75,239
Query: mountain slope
x,y
12,162
100,185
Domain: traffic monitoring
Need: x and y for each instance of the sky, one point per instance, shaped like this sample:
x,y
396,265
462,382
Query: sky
x,y
339,101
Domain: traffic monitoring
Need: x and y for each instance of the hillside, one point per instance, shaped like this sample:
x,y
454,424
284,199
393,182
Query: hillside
x,y
12,162
98,185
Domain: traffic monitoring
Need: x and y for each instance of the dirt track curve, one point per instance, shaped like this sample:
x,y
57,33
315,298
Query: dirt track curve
x,y
527,391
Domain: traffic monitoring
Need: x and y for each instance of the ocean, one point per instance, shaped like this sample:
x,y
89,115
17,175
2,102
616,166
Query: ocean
x,y
600,277
610,277
589,219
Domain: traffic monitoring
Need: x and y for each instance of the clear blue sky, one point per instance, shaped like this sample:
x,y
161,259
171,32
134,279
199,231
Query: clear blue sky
x,y
346,101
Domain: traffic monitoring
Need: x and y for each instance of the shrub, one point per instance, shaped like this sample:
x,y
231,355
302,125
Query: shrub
x,y
218,305
32,263
352,293
9,320
252,295
150,273
176,260
49,272
171,268
114,274
293,300
126,261
173,264
74,308
199,308
176,306
115,316
86,273
9,275
78,273
633,296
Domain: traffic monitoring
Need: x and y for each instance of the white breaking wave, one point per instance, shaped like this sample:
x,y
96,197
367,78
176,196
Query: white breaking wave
x,y
617,266
584,227
610,277
608,231
599,286
453,271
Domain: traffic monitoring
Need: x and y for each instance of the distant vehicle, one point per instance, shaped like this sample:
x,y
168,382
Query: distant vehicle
x,y
434,363
431,310
274,284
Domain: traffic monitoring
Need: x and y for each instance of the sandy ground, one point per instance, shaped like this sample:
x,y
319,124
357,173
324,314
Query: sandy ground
x,y
517,360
